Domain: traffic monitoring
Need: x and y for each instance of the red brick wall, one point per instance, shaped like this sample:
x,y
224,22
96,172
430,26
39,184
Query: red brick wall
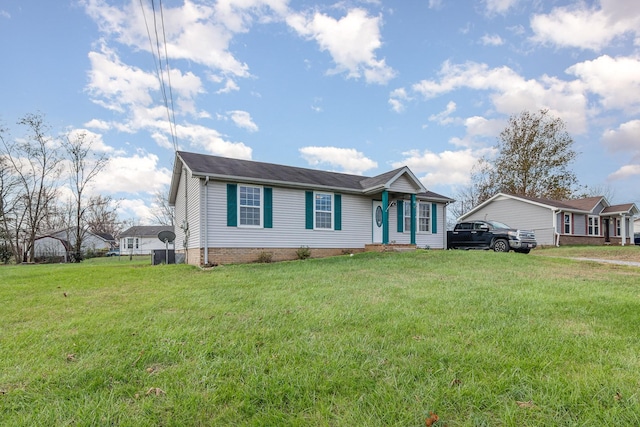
x,y
590,240
247,255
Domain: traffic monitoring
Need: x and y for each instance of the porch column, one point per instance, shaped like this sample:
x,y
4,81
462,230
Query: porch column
x,y
385,217
413,219
623,228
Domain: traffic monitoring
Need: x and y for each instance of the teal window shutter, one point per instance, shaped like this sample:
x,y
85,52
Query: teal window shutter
x,y
400,216
308,208
434,218
232,205
337,201
268,207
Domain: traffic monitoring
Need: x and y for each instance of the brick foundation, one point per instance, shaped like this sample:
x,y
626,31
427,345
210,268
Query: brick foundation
x,y
591,240
248,255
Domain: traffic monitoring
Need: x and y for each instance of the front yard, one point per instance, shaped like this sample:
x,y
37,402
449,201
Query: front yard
x,y
477,338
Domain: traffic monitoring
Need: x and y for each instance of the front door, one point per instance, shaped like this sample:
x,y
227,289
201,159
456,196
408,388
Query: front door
x,y
377,221
606,230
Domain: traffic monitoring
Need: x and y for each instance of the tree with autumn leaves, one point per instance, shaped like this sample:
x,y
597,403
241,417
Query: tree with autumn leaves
x,y
533,155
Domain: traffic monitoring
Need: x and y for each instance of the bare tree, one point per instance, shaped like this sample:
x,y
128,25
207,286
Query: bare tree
x,y
36,165
8,211
534,152
102,216
162,212
84,166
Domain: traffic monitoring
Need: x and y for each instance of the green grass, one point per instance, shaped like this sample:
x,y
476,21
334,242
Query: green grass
x,y
481,339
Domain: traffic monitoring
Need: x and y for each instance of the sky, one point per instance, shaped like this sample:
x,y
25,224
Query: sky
x,y
354,86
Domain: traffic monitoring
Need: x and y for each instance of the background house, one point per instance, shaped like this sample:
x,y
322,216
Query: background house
x,y
143,239
230,210
587,221
59,243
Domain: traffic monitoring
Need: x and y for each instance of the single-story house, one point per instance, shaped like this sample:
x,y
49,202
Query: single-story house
x,y
60,243
230,210
143,239
587,221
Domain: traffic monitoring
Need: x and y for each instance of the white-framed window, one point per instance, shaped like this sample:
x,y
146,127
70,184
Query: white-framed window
x,y
594,226
424,217
567,223
407,216
132,242
250,206
323,211
618,223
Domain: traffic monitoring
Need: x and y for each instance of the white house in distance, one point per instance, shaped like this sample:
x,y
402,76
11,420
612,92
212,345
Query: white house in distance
x,y
143,239
230,210
587,221
60,243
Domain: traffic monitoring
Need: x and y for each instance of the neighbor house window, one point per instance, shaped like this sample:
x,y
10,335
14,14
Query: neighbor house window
x,y
323,211
567,223
424,217
132,243
250,205
594,226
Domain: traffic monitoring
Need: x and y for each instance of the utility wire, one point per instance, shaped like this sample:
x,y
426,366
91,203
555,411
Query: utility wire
x,y
160,71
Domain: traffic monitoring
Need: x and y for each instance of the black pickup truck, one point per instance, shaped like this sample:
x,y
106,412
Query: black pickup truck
x,y
490,235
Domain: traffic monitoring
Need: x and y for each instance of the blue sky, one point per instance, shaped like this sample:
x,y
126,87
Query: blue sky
x,y
350,86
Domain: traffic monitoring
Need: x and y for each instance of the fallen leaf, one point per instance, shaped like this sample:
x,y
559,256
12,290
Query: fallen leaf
x,y
618,396
71,357
527,404
155,390
433,418
65,294
455,381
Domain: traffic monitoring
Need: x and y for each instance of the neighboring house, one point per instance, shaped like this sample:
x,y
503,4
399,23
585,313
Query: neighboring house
x,y
588,221
143,239
60,243
230,210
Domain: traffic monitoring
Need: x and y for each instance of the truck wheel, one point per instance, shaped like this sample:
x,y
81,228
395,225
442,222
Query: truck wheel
x,y
501,245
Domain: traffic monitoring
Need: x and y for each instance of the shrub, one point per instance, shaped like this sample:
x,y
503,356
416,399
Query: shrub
x,y
265,257
303,252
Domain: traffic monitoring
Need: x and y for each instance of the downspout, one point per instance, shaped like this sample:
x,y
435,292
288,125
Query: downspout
x,y
206,225
556,235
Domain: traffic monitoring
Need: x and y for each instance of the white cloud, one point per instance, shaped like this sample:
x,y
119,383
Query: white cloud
x,y
615,80
134,174
444,117
5,14
212,141
585,27
135,208
491,40
446,168
499,6
348,159
397,98
93,140
510,93
625,172
625,138
98,124
351,41
243,120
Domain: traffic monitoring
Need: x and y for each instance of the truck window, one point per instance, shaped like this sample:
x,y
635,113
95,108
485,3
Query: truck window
x,y
464,226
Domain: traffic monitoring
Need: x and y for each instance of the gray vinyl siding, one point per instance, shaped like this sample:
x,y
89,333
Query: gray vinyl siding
x,y
192,215
519,214
579,225
403,185
433,240
288,229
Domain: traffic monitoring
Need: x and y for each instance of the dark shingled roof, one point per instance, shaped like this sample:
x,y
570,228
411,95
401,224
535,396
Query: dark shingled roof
x,y
145,230
225,168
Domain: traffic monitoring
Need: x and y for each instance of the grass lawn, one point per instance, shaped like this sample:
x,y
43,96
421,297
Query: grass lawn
x,y
478,338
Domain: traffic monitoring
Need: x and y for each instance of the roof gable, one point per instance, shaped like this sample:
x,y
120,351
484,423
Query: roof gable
x,y
145,230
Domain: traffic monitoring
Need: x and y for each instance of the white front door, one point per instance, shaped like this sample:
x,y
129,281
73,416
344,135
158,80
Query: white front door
x,y
377,221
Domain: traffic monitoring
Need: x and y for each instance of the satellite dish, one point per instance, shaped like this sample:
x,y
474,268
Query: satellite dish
x,y
166,236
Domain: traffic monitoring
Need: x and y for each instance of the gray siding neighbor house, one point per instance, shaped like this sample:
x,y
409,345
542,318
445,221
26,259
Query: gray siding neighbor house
x,y
230,211
587,221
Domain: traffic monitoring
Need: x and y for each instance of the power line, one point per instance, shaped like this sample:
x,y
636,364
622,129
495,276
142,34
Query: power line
x,y
159,71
